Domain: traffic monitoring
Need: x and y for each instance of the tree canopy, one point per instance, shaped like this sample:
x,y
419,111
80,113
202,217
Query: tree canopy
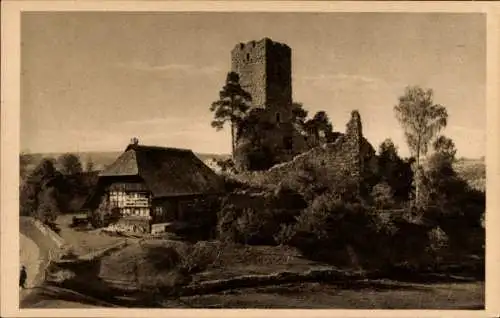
x,y
38,193
299,115
319,127
421,120
69,164
232,105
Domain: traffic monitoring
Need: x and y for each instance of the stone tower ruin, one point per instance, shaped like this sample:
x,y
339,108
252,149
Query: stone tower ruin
x,y
265,70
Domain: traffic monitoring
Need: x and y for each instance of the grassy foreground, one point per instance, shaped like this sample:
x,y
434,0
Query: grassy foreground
x,y
131,265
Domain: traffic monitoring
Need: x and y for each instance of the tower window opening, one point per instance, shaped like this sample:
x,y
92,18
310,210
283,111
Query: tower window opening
x,y
248,56
278,117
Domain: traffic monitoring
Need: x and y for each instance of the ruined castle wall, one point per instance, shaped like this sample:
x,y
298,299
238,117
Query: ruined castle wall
x,y
341,160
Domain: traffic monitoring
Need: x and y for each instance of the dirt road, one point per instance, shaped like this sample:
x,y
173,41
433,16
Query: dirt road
x,y
35,248
29,257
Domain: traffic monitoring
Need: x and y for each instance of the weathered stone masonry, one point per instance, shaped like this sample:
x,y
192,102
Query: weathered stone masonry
x,y
343,159
265,70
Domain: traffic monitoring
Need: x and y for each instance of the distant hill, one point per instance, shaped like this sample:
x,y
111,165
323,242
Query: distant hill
x,y
100,159
473,171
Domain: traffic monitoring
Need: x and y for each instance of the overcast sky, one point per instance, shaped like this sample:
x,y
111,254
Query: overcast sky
x,y
92,81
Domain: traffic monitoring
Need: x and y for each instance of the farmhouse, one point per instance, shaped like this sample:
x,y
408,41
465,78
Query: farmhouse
x,y
148,187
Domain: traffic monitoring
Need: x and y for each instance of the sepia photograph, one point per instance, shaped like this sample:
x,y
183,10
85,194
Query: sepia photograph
x,y
252,160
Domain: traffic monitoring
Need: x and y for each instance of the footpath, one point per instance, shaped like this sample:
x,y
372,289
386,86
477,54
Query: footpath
x,y
38,246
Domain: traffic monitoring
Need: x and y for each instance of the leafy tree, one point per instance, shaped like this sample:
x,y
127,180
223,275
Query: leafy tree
x,y
299,116
249,225
232,106
456,206
440,182
48,207
387,150
394,171
24,160
421,120
70,164
36,194
319,127
252,152
382,195
438,242
445,151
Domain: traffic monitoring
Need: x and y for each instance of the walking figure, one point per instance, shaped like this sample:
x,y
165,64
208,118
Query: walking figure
x,y
23,277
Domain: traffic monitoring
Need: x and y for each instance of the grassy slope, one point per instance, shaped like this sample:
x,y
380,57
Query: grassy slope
x,y
247,260
244,260
84,241
372,295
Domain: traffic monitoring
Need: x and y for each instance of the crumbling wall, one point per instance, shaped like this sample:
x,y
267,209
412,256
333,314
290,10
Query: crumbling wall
x,y
342,160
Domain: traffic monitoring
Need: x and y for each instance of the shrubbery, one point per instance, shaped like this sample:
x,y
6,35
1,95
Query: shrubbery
x,y
259,223
332,223
45,192
158,267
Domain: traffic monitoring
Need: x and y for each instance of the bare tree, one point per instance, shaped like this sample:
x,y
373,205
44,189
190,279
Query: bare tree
x,y
421,120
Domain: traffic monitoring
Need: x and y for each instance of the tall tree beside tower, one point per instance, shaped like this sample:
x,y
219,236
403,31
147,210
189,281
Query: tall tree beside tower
x,y
421,120
232,106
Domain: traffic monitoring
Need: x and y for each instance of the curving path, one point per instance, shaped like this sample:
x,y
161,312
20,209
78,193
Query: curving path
x,y
29,257
35,248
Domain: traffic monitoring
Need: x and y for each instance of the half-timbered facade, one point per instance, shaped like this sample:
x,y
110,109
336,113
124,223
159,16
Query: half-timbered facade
x,y
148,186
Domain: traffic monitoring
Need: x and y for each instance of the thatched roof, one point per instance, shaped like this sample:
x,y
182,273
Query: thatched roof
x,y
165,171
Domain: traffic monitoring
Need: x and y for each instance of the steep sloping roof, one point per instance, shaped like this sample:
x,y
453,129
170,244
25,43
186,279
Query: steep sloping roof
x,y
124,165
166,171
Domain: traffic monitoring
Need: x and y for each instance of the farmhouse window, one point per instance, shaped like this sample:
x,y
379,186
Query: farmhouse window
x,y
158,210
124,199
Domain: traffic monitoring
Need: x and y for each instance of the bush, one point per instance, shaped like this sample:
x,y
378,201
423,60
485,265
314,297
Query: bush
x,y
308,180
226,165
332,231
197,258
288,198
200,217
394,171
354,234
286,234
231,184
438,240
254,156
255,219
226,225
382,196
158,266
